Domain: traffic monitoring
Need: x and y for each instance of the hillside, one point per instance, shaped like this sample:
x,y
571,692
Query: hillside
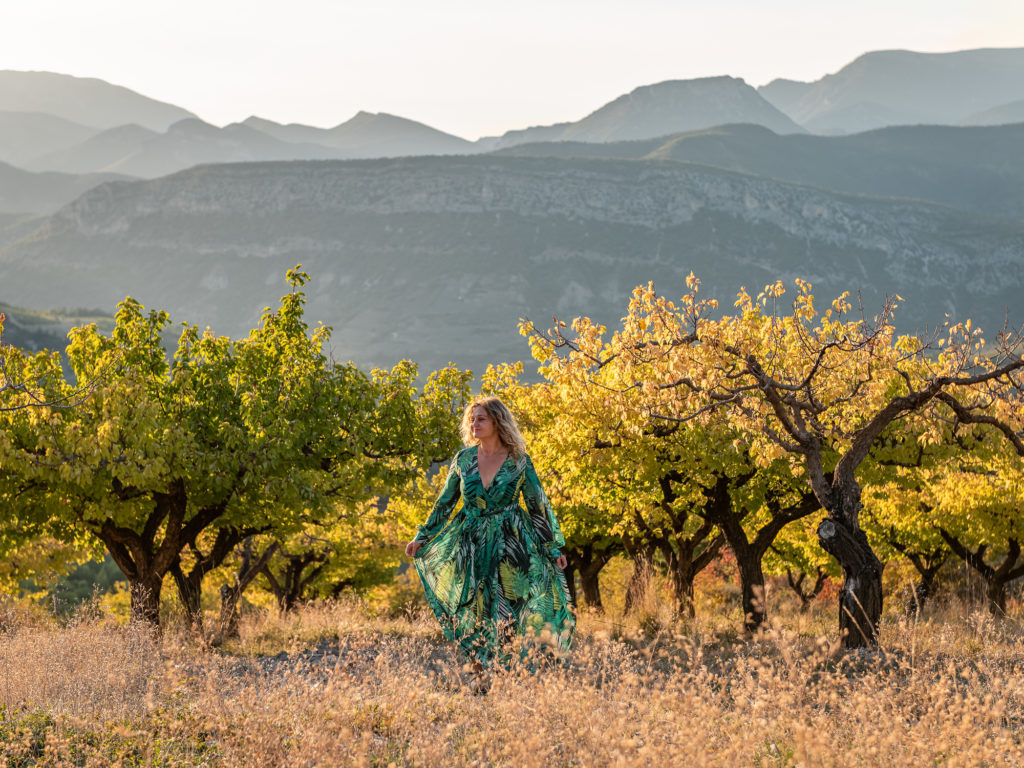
x,y
368,135
88,101
25,192
135,151
977,169
1002,114
96,153
660,109
47,329
436,258
903,88
25,135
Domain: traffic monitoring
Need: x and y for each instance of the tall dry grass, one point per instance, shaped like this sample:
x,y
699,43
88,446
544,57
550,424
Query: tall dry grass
x,y
336,685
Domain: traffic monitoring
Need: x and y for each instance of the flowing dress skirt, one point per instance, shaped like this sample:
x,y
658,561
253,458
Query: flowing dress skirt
x,y
494,588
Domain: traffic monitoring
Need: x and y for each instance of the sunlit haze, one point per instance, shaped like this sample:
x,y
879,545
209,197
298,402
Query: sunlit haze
x,y
469,68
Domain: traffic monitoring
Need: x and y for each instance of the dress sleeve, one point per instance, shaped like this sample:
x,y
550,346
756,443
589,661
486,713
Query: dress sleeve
x,y
541,515
444,505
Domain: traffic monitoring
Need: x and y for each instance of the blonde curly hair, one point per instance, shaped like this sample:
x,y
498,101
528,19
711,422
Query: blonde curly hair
x,y
504,422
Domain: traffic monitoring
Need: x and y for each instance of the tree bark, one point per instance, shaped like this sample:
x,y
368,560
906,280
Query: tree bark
x,y
860,601
753,597
144,561
227,623
592,588
996,577
686,554
145,599
684,557
927,565
682,589
190,585
189,592
636,587
289,586
588,560
996,594
141,560
796,584
750,552
642,555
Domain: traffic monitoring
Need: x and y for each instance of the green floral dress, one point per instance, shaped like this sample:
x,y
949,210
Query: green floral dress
x,y
490,574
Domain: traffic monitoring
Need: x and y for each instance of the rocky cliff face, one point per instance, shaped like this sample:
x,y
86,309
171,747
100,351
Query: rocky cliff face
x,y
436,258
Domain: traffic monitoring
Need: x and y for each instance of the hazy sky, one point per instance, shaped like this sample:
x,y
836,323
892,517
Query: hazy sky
x,y
470,67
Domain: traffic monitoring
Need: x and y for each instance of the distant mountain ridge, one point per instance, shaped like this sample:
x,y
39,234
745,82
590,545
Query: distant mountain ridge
x,y
26,135
1002,114
898,87
92,126
368,135
435,258
96,153
979,169
42,193
137,150
668,107
88,101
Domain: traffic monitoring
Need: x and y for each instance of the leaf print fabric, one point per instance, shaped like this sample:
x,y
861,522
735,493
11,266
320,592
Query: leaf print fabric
x,y
488,570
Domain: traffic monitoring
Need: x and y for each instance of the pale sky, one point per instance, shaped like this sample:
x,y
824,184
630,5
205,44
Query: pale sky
x,y
469,67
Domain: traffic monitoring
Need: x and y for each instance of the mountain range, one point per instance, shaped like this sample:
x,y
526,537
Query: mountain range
x,y
904,88
660,109
424,245
52,122
979,169
87,101
435,258
40,193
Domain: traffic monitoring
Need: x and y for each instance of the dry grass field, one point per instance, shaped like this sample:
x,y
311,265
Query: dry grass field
x,y
346,684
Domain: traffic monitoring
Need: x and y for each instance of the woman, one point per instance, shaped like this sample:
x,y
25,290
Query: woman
x,y
494,572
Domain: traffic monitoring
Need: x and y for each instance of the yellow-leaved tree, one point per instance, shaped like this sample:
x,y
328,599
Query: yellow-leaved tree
x,y
797,382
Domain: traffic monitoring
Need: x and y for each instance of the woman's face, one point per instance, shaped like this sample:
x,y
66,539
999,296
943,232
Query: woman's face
x,y
481,425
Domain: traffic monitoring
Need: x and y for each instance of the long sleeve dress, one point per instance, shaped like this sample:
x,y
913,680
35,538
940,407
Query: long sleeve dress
x,y
488,570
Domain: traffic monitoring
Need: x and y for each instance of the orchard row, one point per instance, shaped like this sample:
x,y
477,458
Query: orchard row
x,y
800,439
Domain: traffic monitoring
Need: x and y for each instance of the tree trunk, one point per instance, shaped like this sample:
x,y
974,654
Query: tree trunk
x,y
190,585
682,590
588,560
143,561
750,552
642,555
860,602
189,591
227,622
996,577
924,588
996,594
755,606
289,587
591,589
145,599
637,586
797,586
927,565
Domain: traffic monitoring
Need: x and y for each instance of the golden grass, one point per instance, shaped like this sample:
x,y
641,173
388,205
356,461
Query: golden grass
x,y
345,686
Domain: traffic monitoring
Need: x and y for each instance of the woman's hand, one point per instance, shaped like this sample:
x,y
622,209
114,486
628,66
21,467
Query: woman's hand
x,y
561,562
412,547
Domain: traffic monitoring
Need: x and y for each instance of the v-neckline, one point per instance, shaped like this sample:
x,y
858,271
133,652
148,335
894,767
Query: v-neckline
x,y
487,489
